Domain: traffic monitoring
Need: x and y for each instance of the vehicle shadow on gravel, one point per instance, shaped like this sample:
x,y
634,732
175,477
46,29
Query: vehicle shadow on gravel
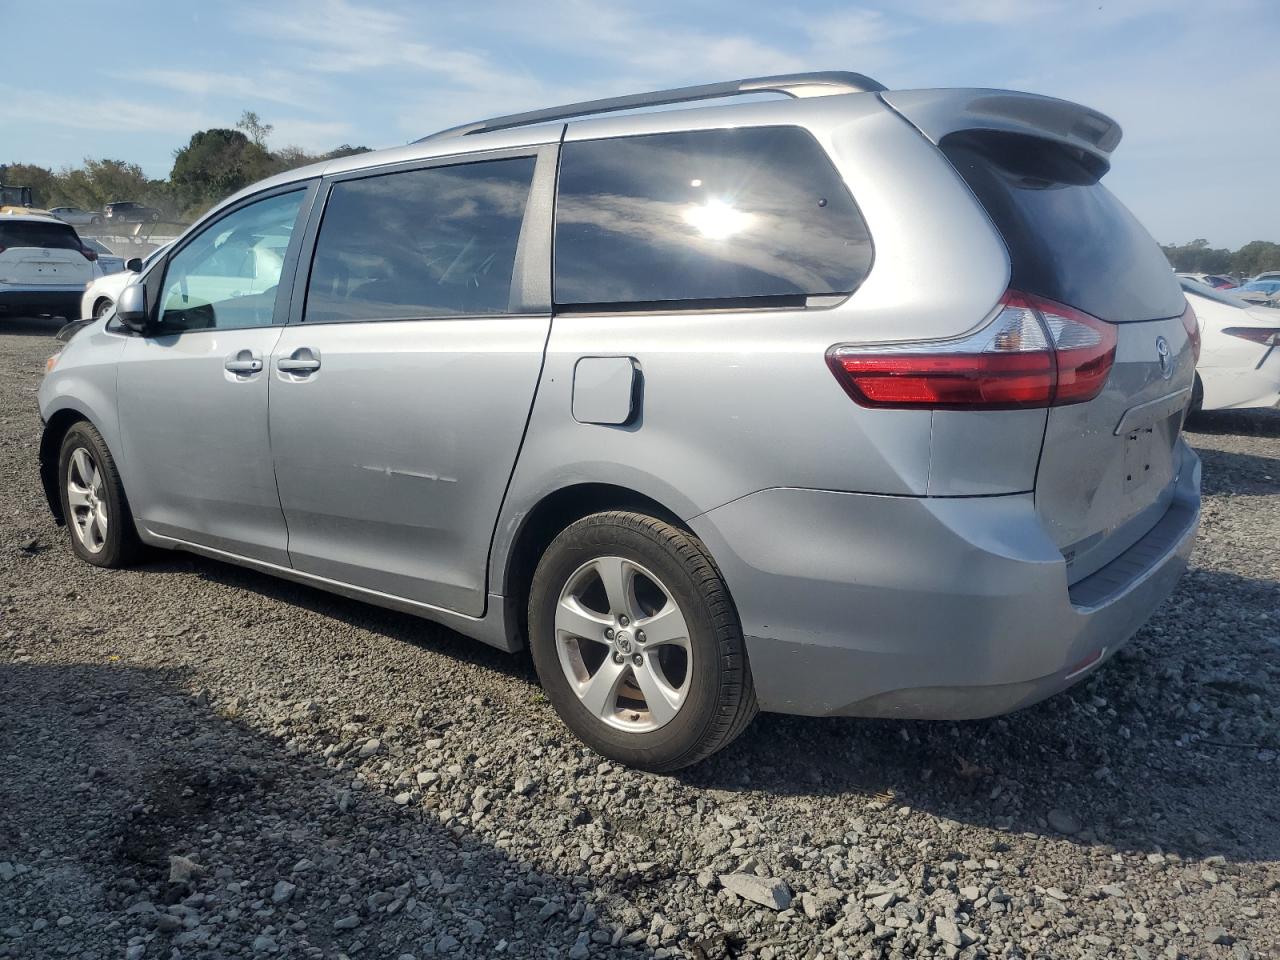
x,y
1225,473
284,848
1171,747
398,626
1254,423
30,326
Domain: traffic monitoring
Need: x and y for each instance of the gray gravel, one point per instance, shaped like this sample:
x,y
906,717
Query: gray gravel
x,y
202,762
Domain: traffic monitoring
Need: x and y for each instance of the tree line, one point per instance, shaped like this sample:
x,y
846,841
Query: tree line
x,y
214,164
1198,257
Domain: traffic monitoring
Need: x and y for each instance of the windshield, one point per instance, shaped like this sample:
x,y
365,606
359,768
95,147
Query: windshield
x,y
1210,293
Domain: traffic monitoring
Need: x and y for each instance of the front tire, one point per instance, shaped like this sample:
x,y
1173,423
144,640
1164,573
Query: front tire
x,y
101,307
94,506
637,643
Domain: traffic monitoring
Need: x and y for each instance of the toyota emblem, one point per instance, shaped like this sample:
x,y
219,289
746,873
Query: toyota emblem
x,y
1165,356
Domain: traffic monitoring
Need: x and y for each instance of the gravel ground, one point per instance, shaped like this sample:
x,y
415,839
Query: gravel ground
x,y
199,761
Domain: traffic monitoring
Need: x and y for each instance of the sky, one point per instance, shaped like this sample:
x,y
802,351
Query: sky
x,y
1194,85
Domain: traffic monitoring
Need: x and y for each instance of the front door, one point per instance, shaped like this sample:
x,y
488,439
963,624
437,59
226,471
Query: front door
x,y
193,393
400,395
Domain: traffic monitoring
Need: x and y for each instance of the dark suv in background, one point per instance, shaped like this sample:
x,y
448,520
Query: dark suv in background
x,y
130,211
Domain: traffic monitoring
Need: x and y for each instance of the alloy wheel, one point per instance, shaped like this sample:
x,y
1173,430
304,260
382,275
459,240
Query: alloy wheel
x,y
87,500
623,644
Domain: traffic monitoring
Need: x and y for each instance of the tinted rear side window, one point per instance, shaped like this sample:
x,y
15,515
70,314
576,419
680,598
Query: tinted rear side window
x,y
29,233
710,215
1069,238
420,243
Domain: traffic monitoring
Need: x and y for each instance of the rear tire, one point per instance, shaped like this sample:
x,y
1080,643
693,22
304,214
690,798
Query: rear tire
x,y
659,700
96,510
1197,397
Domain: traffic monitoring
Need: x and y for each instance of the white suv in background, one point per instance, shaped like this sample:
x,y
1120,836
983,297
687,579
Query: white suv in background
x,y
43,266
101,295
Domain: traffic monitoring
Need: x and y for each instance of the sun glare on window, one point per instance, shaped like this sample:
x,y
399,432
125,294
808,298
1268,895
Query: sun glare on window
x,y
717,220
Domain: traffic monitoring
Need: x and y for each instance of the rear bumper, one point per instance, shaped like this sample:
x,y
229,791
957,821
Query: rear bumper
x,y
61,300
944,608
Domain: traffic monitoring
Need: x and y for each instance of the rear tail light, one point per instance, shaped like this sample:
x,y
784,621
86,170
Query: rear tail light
x,y
1034,353
1267,336
1192,325
89,254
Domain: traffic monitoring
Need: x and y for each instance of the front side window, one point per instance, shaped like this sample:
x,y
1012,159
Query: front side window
x,y
227,277
433,242
707,215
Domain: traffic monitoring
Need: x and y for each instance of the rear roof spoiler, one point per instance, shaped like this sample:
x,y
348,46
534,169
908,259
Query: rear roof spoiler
x,y
937,113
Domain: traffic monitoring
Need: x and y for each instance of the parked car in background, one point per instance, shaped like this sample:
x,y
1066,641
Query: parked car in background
x,y
129,211
1214,280
101,295
43,266
1265,292
77,216
1239,360
107,262
676,399
1268,275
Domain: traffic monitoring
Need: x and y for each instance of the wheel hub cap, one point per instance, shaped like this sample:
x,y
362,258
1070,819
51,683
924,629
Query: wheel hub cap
x,y
623,644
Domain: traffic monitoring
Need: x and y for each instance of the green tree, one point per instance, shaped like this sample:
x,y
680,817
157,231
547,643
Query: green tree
x,y
99,182
1198,257
42,181
254,128
216,163
1256,256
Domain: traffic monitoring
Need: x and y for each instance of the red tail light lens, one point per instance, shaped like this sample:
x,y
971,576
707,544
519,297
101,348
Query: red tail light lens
x,y
1034,353
1192,326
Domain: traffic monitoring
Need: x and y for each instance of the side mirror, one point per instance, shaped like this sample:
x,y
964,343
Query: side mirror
x,y
133,264
131,308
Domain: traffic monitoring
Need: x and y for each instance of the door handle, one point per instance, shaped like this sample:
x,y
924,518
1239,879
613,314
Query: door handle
x,y
243,363
302,361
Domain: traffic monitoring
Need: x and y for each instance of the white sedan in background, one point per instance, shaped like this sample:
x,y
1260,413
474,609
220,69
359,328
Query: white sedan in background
x,y
101,295
1240,351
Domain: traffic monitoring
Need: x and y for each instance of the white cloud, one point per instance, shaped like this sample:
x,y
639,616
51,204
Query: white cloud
x,y
314,135
77,112
274,86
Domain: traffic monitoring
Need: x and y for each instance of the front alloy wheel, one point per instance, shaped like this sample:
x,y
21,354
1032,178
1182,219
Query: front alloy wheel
x,y
87,500
94,506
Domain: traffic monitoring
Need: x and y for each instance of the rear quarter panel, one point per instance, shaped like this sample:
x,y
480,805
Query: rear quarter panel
x,y
737,401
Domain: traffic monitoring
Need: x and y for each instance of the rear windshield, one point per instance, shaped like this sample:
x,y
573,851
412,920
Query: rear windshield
x,y
1069,239
30,233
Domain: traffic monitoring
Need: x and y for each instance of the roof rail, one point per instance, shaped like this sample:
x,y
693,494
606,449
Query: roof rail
x,y
825,83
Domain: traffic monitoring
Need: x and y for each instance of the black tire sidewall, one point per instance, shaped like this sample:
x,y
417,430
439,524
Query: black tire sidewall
x,y
117,549
659,749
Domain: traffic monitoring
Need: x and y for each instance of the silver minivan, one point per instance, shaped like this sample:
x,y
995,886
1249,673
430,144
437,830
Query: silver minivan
x,y
847,401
